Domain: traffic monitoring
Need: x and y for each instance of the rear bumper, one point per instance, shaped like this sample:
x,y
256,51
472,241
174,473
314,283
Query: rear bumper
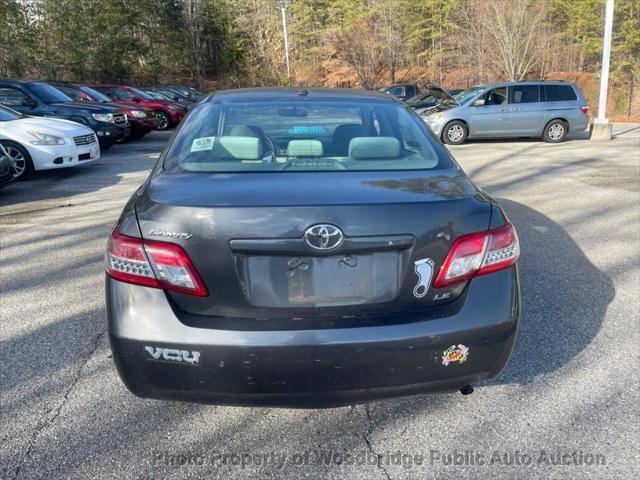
x,y
309,368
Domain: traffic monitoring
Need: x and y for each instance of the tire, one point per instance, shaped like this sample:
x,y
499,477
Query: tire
x,y
22,163
163,120
555,131
455,133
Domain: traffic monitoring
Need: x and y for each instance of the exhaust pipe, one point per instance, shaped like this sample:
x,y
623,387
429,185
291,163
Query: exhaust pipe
x,y
466,390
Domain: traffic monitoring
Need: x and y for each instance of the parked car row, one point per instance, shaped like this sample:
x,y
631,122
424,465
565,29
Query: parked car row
x,y
543,109
47,125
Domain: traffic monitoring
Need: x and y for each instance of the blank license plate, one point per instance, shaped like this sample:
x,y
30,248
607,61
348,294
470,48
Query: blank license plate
x,y
280,281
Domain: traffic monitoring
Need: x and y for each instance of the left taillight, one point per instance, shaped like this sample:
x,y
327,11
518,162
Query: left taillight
x,y
152,264
479,254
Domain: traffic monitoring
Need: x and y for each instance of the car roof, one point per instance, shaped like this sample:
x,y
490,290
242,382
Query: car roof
x,y
20,82
343,94
524,82
400,85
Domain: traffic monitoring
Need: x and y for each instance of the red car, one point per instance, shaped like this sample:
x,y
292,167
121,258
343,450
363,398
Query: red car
x,y
142,120
169,113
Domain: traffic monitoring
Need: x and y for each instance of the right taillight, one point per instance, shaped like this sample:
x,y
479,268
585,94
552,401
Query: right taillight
x,y
584,109
478,254
152,264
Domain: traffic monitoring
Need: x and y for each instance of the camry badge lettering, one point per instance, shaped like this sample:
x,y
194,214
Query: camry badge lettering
x,y
323,237
173,355
163,233
455,354
424,270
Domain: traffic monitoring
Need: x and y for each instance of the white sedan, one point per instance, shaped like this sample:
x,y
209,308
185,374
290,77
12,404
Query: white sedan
x,y
39,143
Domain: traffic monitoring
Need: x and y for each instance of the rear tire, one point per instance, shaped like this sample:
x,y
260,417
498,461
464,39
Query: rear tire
x,y
455,133
163,120
22,163
555,131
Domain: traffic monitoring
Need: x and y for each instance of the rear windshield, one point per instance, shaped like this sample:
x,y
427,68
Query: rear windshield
x,y
303,135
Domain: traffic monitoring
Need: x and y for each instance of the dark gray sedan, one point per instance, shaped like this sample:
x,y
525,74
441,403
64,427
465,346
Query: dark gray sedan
x,y
309,248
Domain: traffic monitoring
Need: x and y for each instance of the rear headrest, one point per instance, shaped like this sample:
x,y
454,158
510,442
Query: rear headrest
x,y
371,148
343,134
238,148
304,148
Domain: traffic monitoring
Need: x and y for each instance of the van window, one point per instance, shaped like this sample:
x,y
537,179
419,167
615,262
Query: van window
x,y
559,93
497,96
524,94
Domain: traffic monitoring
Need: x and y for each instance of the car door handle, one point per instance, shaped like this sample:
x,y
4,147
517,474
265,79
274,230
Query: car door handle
x,y
516,109
502,110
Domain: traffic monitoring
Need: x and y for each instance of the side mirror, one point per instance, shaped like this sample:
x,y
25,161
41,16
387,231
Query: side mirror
x,y
29,102
479,102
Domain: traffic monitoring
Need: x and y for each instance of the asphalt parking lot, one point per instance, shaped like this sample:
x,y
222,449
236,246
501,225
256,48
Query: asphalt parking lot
x,y
569,396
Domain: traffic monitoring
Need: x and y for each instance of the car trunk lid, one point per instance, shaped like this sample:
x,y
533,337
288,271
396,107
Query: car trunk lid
x,y
245,234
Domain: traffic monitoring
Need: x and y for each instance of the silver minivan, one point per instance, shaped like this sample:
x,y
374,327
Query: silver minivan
x,y
544,109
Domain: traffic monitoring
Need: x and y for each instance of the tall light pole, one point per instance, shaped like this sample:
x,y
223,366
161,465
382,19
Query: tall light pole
x,y
601,126
283,5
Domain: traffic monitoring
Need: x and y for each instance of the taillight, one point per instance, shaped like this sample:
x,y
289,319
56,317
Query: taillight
x,y
584,109
152,264
478,254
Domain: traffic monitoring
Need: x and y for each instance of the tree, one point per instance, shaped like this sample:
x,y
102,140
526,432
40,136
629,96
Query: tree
x,y
507,30
361,47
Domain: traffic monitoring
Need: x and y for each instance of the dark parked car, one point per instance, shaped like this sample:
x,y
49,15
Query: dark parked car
x,y
42,100
183,90
432,97
6,168
169,113
309,248
169,95
142,120
402,91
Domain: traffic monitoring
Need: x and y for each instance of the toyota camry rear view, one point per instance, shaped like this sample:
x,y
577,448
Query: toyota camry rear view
x,y
309,248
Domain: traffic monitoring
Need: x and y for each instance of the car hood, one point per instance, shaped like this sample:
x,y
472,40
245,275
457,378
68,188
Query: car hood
x,y
126,106
157,104
86,106
51,126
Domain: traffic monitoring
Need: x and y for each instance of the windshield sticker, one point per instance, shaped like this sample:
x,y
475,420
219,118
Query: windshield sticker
x,y
307,130
424,270
455,354
202,144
